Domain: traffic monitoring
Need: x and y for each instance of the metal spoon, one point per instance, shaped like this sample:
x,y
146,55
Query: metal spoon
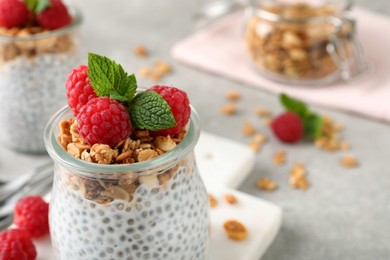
x,y
36,174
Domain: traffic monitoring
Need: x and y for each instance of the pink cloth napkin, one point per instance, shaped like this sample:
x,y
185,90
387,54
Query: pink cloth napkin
x,y
220,49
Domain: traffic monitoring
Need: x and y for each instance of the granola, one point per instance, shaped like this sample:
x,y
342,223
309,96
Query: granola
x,y
291,50
231,199
266,184
298,178
235,230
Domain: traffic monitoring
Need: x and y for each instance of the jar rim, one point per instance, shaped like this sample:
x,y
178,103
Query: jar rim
x,y
76,22
89,169
257,8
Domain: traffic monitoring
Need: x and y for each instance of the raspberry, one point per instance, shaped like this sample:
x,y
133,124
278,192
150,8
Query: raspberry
x,y
32,215
180,107
288,127
13,13
15,244
78,89
55,16
103,120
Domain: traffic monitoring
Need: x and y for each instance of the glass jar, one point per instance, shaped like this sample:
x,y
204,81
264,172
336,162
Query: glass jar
x,y
33,70
157,209
306,42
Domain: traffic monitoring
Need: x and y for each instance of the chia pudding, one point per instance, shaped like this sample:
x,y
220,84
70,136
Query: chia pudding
x,y
34,64
146,209
168,221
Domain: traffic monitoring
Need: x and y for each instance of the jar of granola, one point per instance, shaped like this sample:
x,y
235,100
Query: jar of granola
x,y
153,209
306,42
34,64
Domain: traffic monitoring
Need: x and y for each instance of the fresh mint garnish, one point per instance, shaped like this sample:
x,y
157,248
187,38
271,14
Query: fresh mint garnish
x,y
148,110
37,6
109,79
312,122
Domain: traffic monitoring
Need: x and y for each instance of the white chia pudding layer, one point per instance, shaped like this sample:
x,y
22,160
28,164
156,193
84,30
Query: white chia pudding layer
x,y
167,220
31,91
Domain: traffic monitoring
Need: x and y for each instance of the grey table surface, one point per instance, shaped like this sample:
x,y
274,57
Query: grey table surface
x,y
344,214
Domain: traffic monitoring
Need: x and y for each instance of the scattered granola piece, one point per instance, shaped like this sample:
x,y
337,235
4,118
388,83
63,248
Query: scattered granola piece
x,y
255,146
231,199
262,112
229,109
260,138
329,138
349,161
298,178
141,51
213,201
267,121
344,145
266,184
279,157
235,230
162,67
233,95
144,72
248,128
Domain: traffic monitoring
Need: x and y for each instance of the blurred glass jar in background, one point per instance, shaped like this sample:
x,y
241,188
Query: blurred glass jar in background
x,y
34,65
304,42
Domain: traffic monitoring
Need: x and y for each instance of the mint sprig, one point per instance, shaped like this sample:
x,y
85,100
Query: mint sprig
x,y
37,6
147,110
312,122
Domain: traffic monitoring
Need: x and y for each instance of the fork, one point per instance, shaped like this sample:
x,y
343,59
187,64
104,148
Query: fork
x,y
38,184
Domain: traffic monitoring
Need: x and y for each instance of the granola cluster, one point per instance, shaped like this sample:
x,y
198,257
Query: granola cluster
x,y
139,147
294,50
25,47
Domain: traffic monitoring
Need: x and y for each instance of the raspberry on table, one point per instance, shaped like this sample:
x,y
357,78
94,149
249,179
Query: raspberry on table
x,y
32,216
55,16
13,13
288,127
15,244
78,88
103,120
180,106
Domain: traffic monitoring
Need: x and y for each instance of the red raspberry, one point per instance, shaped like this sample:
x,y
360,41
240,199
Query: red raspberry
x,y
55,16
78,89
13,13
180,107
103,120
32,215
288,127
15,244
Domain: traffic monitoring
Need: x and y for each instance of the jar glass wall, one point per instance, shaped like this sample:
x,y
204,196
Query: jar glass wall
x,y
157,209
33,69
310,42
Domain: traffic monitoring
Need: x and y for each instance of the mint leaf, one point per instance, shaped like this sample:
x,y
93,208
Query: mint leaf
x,y
312,125
294,105
37,6
128,86
148,110
312,122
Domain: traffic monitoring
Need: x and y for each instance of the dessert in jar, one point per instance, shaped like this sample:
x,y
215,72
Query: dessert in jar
x,y
304,42
38,47
126,185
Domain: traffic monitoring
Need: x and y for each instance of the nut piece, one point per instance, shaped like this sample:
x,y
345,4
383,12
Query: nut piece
x,y
213,201
229,109
231,199
141,51
266,184
164,143
235,230
248,128
279,157
262,112
349,161
298,178
147,154
233,95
